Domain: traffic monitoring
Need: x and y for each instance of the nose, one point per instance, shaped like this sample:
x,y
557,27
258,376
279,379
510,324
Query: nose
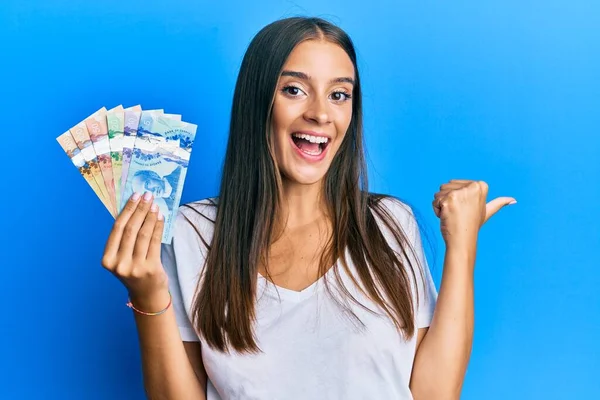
x,y
318,112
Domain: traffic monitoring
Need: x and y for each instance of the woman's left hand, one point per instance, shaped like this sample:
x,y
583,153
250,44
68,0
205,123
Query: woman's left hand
x,y
462,209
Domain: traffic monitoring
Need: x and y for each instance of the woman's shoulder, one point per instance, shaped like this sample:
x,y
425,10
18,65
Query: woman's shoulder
x,y
195,220
393,207
200,210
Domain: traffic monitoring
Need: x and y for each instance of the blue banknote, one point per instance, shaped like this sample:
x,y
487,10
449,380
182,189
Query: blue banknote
x,y
159,164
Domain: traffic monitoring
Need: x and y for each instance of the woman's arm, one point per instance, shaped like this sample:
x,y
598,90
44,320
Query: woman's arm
x,y
132,254
172,370
194,353
443,355
444,350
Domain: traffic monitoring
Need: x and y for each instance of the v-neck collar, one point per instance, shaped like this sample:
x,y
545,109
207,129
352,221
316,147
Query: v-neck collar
x,y
293,295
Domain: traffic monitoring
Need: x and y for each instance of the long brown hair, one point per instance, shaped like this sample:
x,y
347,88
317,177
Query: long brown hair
x,y
223,311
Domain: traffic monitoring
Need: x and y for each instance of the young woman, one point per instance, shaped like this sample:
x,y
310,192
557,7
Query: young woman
x,y
296,282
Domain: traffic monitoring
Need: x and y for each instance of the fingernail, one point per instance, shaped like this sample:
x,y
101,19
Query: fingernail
x,y
513,202
147,196
160,216
154,207
135,196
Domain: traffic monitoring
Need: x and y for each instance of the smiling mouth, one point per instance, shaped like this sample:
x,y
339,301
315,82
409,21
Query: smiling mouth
x,y
311,145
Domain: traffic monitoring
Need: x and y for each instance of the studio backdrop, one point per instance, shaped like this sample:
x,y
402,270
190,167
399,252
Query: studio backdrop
x,y
501,91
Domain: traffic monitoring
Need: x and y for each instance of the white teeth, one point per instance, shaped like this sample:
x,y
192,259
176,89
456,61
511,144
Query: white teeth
x,y
312,139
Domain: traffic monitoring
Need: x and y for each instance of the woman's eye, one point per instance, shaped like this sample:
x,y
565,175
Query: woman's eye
x,y
292,90
340,96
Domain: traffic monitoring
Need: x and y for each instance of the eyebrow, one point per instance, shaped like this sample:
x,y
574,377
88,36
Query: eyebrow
x,y
303,76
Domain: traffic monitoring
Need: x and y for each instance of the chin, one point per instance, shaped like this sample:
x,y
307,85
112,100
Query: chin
x,y
303,177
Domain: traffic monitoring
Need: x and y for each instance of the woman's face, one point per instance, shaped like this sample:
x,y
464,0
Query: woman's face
x,y
312,110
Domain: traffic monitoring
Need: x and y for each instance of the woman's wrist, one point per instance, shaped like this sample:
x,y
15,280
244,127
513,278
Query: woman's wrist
x,y
152,302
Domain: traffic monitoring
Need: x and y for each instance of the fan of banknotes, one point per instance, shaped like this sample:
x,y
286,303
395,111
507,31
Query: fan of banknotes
x,y
125,150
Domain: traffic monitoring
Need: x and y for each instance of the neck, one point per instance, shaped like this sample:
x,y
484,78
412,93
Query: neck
x,y
300,205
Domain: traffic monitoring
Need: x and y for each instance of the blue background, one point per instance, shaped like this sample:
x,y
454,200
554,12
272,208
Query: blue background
x,y
502,91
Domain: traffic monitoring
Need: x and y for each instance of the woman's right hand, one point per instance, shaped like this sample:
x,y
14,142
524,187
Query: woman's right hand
x,y
132,251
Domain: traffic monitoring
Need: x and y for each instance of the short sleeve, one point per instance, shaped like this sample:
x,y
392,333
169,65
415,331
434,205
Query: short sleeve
x,y
183,260
425,285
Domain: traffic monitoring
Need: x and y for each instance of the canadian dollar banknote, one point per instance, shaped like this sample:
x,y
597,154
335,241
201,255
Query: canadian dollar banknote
x,y
115,120
159,164
125,150
145,122
84,143
131,123
68,144
98,130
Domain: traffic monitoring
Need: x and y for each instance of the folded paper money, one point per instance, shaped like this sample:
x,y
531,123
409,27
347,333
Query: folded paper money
x,y
125,150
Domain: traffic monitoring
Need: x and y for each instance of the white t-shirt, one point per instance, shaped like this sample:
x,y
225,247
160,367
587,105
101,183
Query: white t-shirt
x,y
310,349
